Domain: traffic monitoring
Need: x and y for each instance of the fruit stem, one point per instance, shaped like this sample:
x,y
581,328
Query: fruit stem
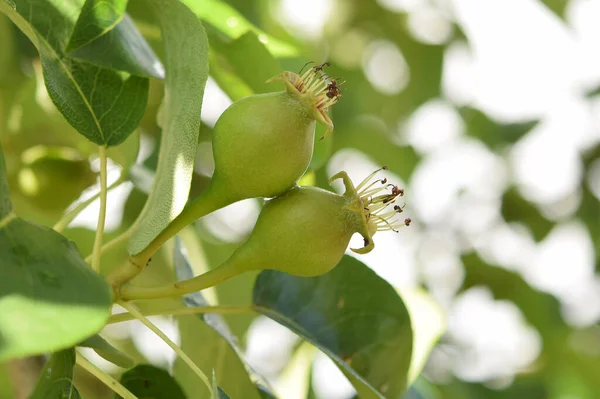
x,y
102,214
182,355
104,377
215,196
212,198
211,278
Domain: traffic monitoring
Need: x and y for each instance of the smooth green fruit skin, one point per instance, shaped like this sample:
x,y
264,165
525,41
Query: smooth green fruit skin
x,y
304,232
262,145
58,182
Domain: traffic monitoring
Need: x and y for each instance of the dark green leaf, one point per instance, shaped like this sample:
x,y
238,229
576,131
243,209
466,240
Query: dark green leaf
x,y
56,380
352,315
187,72
103,105
107,351
149,382
493,134
97,17
235,378
122,47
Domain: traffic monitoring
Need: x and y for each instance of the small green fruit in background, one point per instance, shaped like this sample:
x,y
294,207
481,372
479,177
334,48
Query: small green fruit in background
x,y
304,232
53,177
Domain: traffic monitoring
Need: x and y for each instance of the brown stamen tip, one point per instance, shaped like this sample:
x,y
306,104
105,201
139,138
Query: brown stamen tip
x,y
383,181
384,167
397,191
319,68
407,221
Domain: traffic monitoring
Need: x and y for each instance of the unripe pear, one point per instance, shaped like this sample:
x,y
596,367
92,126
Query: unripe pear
x,y
304,232
262,144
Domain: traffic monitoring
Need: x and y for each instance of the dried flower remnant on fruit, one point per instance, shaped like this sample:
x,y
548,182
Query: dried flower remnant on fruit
x,y
375,202
315,89
315,82
376,197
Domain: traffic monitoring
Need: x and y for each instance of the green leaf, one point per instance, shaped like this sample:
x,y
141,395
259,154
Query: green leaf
x,y
493,134
540,309
228,81
149,382
107,351
122,48
218,393
97,17
236,377
56,379
557,6
265,393
379,146
249,59
352,315
49,297
184,271
428,324
187,71
5,205
105,106
593,93
125,154
233,24
322,148
517,209
589,210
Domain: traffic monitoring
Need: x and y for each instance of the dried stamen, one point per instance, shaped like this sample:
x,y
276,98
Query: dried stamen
x,y
377,196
